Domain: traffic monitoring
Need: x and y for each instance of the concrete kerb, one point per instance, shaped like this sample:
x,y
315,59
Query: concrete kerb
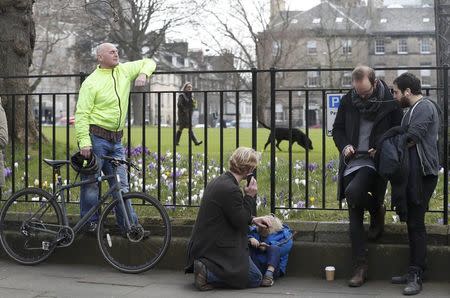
x,y
316,245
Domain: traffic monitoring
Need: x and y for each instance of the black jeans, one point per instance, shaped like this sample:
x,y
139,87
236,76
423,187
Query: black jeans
x,y
417,233
357,185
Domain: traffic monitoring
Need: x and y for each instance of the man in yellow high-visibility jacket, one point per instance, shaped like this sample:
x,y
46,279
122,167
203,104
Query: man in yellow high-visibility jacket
x,y
100,117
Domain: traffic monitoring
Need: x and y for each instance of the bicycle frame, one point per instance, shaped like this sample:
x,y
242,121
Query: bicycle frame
x,y
114,189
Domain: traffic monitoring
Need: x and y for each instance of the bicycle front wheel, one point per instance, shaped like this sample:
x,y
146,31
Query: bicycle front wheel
x,y
30,222
143,246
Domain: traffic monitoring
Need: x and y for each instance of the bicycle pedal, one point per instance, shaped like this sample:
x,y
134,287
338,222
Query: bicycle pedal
x,y
45,245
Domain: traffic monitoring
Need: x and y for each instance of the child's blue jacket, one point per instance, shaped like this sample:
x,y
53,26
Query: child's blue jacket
x,y
279,238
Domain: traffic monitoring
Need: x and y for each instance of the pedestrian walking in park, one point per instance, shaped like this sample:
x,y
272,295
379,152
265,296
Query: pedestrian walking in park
x,y
186,105
366,112
218,252
100,117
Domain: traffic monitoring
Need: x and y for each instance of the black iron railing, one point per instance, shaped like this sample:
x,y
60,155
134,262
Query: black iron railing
x,y
156,163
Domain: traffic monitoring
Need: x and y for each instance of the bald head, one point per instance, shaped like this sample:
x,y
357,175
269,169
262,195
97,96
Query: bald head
x,y
107,55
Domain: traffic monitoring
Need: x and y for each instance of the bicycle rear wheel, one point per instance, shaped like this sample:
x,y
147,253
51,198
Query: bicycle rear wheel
x,y
29,221
141,248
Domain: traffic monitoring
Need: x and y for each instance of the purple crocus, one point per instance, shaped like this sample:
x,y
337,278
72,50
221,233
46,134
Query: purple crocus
x,y
313,166
7,172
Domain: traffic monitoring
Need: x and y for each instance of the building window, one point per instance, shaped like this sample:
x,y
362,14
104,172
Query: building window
x,y
383,21
339,20
346,47
346,79
380,74
426,20
401,71
316,21
279,113
425,75
425,46
313,78
311,47
402,46
379,47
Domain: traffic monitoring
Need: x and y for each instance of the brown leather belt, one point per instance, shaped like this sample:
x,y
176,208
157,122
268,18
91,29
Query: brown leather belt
x,y
112,136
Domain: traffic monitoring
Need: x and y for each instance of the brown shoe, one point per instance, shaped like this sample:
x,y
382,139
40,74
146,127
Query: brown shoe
x,y
200,281
267,281
359,276
376,227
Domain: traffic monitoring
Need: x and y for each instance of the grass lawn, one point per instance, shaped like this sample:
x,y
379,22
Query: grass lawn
x,y
147,182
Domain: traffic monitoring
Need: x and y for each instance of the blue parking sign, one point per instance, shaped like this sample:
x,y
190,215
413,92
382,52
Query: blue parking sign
x,y
333,105
333,101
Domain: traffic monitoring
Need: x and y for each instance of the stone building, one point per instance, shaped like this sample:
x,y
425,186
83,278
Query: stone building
x,y
342,34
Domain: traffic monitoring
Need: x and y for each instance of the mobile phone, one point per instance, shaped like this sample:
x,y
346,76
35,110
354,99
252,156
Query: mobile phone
x,y
249,178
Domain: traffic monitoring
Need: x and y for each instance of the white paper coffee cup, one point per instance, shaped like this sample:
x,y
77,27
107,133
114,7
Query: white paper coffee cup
x,y
329,272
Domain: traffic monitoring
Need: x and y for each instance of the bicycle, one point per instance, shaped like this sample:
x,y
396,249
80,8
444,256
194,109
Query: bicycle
x,y
34,222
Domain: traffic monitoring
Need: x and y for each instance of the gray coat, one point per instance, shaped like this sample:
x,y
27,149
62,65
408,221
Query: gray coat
x,y
422,123
3,142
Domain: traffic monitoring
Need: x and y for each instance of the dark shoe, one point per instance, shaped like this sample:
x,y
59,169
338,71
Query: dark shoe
x,y
414,281
200,281
267,281
400,280
194,139
376,227
359,276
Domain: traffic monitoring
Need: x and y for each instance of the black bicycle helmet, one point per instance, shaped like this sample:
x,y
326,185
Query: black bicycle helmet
x,y
84,166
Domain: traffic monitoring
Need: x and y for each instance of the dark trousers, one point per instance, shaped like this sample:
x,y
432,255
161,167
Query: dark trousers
x,y
272,253
417,234
357,186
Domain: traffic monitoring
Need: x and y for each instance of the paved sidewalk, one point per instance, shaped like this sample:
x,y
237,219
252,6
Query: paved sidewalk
x,y
56,280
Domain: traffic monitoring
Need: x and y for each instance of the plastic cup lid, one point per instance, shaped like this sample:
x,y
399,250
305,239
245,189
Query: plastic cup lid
x,y
329,268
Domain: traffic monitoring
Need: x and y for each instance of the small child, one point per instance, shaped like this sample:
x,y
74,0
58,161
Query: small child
x,y
269,249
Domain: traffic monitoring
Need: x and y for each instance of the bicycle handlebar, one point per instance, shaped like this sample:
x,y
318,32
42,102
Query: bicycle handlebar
x,y
121,161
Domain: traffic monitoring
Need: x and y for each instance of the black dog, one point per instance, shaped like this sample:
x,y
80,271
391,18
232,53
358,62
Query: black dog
x,y
282,134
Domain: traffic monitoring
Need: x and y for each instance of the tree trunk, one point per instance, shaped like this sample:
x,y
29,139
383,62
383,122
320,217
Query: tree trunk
x,y
137,106
17,36
263,96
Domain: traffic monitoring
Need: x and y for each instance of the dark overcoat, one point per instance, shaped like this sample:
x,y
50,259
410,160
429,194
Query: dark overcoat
x,y
346,132
185,106
219,237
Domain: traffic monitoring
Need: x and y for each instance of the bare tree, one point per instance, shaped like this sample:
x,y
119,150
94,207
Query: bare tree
x,y
244,27
53,27
341,31
17,39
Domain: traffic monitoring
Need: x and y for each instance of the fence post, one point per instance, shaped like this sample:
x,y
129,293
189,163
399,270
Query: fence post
x,y
272,139
445,85
254,107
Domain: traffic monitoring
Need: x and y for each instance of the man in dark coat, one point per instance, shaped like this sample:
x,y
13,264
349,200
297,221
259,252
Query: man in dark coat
x,y
218,252
186,105
364,114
